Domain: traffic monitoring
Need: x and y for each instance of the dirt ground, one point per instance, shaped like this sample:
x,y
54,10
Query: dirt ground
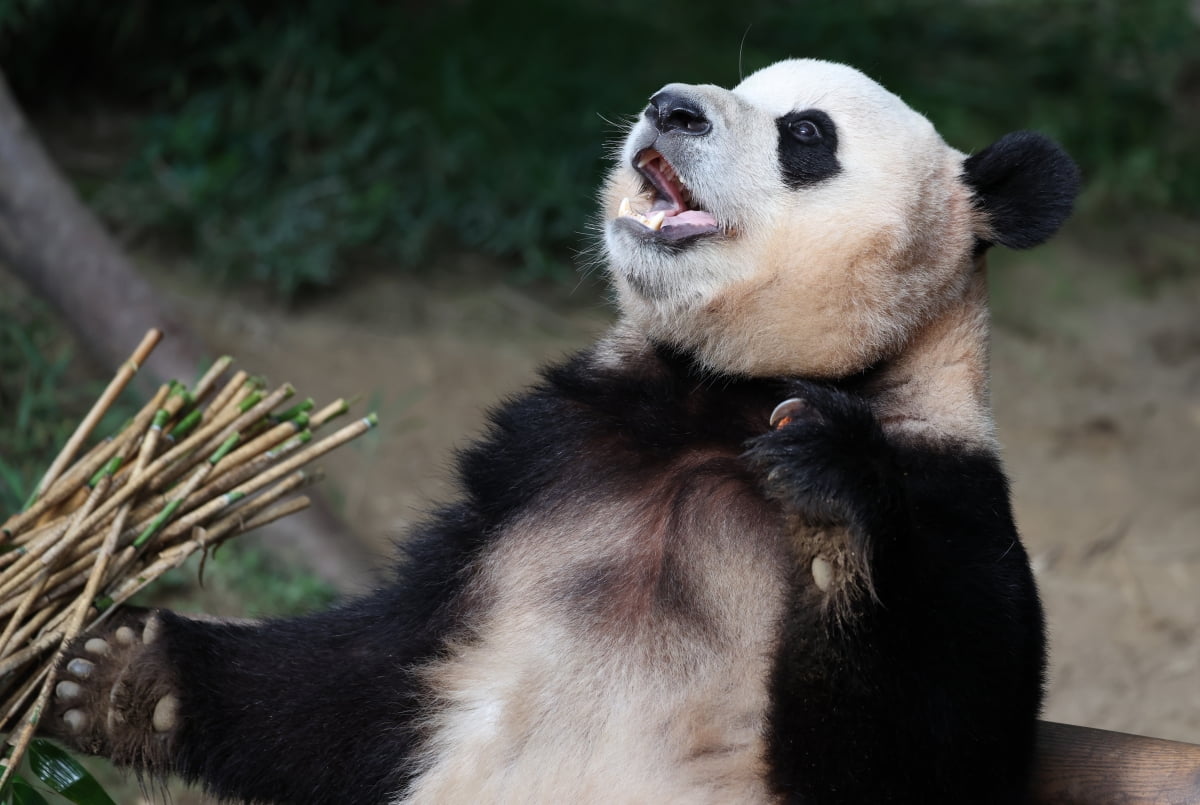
x,y
1096,386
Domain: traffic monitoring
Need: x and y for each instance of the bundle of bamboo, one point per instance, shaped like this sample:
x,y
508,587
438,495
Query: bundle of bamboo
x,y
192,469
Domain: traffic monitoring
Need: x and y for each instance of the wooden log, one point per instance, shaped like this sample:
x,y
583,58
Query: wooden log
x,y
53,242
1085,766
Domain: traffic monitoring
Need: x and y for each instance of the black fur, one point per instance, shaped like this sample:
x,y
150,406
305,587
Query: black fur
x,y
805,159
924,691
930,685
1026,184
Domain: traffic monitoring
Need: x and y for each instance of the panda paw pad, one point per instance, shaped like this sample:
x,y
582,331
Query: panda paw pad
x,y
115,695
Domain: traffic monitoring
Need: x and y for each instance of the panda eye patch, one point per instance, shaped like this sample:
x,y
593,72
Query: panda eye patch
x,y
805,131
808,142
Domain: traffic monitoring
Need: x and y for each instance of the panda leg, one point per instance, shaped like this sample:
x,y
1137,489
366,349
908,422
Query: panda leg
x,y
254,711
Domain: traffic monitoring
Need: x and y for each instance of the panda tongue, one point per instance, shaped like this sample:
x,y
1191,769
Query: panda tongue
x,y
690,218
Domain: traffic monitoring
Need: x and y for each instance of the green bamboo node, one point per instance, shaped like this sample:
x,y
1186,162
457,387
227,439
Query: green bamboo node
x,y
110,468
158,522
224,449
296,410
252,399
185,425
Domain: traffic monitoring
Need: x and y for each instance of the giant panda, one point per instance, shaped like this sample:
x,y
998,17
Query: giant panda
x,y
753,546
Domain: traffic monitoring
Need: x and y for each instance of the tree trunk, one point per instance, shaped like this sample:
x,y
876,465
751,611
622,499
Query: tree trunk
x,y
54,243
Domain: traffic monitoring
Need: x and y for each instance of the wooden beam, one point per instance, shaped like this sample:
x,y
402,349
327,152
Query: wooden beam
x,y
1085,766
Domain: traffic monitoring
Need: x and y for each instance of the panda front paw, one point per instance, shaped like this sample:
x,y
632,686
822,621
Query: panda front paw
x,y
826,458
115,694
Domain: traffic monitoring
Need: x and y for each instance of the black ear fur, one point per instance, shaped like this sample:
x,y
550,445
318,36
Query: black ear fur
x,y
1026,184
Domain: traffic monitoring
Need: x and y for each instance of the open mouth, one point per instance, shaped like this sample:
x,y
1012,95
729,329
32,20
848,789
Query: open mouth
x,y
673,213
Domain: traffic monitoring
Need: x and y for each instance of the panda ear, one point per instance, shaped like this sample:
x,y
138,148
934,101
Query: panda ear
x,y
1025,184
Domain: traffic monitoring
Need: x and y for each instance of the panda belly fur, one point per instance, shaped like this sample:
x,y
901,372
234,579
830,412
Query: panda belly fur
x,y
624,629
604,690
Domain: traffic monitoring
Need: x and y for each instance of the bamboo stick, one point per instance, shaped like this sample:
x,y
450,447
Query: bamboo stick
x,y
94,460
209,379
115,387
207,465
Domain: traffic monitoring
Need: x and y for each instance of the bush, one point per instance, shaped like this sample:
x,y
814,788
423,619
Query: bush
x,y
281,139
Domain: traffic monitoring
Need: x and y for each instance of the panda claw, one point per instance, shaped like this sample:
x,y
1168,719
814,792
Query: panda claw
x,y
787,411
114,697
67,690
822,573
150,632
79,667
76,720
96,646
165,713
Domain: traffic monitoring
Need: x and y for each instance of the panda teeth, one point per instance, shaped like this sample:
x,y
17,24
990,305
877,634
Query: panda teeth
x,y
653,222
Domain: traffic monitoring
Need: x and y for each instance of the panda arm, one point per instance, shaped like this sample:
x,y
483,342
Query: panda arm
x,y
918,653
315,709
240,707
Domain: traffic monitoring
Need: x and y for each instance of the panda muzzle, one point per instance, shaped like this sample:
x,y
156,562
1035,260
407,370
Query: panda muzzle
x,y
673,213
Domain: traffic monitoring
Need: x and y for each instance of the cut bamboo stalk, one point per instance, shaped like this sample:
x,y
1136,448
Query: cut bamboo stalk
x,y
334,409
110,519
98,457
115,387
27,601
19,573
225,395
216,537
30,652
261,444
209,379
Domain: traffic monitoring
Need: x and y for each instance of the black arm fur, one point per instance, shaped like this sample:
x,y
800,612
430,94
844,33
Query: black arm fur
x,y
927,679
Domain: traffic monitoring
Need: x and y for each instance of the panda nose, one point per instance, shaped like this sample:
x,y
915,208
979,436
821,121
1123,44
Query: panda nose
x,y
672,111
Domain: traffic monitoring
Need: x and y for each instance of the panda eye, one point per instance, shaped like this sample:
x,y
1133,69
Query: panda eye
x,y
805,131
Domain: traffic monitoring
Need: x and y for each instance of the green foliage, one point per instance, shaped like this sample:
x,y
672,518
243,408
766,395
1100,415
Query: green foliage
x,y
22,793
239,580
284,138
61,773
43,397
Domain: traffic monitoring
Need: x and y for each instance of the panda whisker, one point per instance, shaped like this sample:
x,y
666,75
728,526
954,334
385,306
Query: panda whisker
x,y
741,50
621,127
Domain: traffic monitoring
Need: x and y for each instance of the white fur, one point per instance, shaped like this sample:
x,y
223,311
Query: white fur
x,y
822,280
546,706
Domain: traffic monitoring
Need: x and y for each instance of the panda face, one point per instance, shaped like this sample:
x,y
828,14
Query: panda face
x,y
805,222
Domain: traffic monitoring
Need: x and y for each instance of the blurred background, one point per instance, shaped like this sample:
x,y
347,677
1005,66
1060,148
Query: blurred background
x,y
393,200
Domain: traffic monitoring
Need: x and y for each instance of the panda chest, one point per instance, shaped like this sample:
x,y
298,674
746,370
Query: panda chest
x,y
621,651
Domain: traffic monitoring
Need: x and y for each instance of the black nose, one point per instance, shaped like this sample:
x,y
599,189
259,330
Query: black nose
x,y
672,111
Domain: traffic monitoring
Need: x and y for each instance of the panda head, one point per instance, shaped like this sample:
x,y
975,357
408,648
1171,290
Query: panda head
x,y
808,222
